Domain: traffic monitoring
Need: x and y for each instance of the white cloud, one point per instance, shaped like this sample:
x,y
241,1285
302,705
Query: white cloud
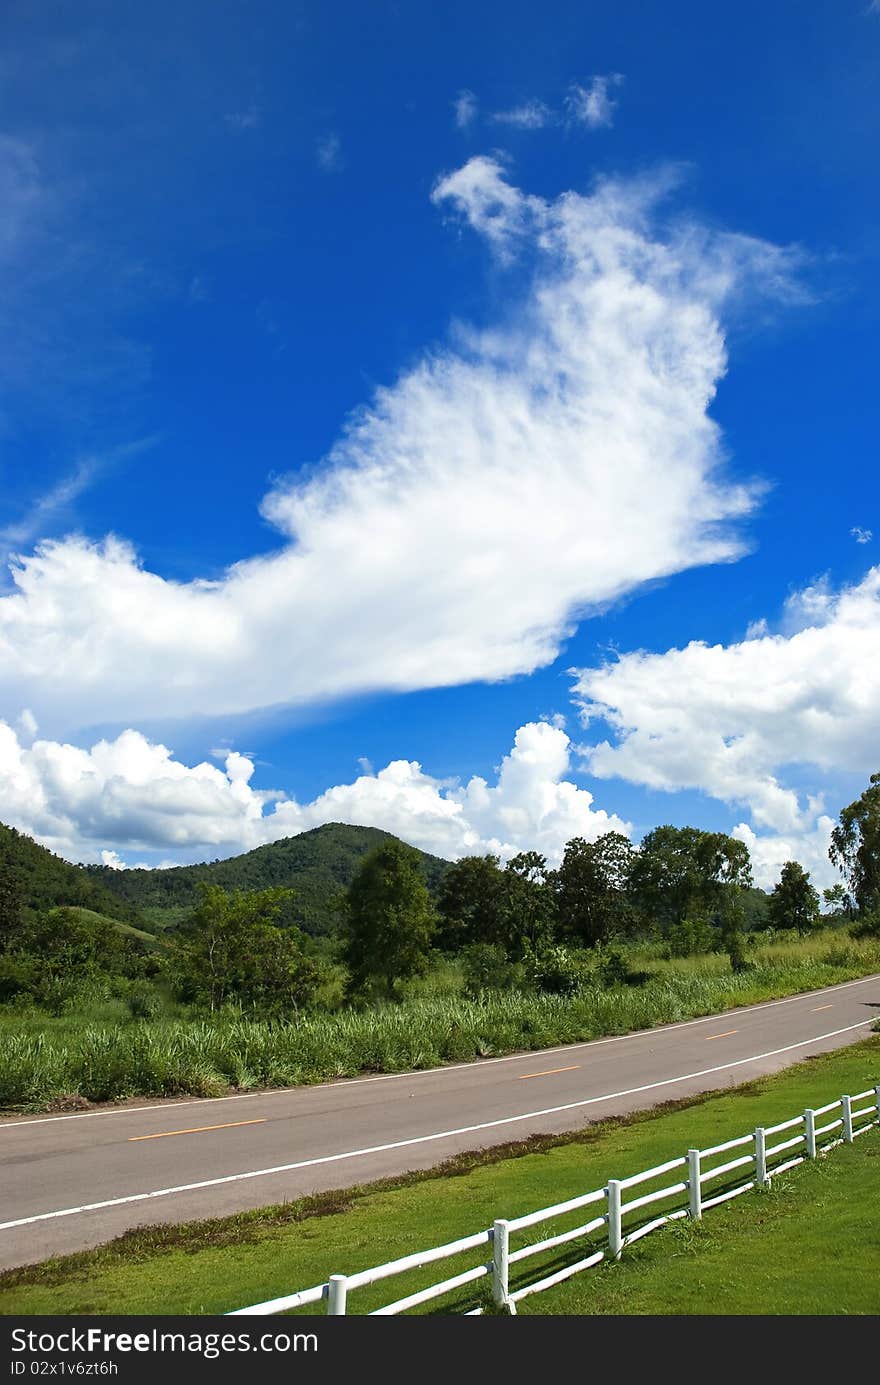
x,y
769,852
130,793
465,107
735,721
531,115
499,491
861,535
241,121
592,105
59,498
328,152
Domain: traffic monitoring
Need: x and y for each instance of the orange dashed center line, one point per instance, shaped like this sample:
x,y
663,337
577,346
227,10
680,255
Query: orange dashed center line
x,y
821,1007
726,1034
194,1130
547,1072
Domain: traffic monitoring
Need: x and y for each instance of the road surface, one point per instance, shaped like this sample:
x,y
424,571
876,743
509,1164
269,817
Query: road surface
x,y
73,1181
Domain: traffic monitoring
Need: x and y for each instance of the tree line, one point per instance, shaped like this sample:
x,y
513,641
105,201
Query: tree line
x,y
521,923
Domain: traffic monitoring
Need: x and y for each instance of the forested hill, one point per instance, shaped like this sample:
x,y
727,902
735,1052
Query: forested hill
x,y
316,865
46,881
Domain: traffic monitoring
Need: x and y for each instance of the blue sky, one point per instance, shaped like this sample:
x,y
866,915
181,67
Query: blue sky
x,y
226,228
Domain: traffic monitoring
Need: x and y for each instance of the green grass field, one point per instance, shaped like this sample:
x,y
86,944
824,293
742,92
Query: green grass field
x,y
90,916
809,1245
100,1061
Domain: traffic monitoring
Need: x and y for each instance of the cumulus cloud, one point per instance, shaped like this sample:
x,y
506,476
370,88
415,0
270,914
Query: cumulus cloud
x,y
593,105
861,535
736,720
769,852
132,794
503,488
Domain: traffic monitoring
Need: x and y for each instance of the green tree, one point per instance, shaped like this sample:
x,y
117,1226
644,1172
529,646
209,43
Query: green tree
x,y
388,921
682,872
836,900
528,904
470,905
855,847
794,903
512,909
231,950
10,906
731,917
591,884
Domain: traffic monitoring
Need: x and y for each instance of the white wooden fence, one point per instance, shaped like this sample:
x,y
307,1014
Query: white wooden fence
x,y
757,1165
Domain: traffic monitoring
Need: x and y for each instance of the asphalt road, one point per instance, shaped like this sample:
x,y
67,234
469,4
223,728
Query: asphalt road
x,y
68,1182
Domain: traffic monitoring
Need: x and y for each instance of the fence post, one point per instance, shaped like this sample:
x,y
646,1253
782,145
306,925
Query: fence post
x,y
337,1292
501,1265
695,1191
810,1132
846,1103
877,1101
761,1179
615,1230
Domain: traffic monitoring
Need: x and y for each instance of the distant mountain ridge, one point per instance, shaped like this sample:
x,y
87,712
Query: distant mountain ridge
x,y
317,865
46,881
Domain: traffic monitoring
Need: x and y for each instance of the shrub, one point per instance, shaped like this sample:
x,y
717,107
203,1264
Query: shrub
x,y
688,937
486,967
554,971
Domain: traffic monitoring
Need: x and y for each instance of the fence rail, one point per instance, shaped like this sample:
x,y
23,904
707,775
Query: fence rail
x,y
761,1161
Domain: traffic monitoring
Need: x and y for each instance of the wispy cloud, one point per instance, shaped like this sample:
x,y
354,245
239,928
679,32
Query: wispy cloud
x,y
858,533
507,484
531,115
241,121
592,105
328,152
56,502
465,107
198,290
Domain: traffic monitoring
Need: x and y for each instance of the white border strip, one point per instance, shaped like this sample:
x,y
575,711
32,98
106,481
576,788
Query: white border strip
x,y
425,1139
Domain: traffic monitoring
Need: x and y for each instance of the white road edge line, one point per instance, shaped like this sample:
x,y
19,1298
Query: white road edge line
x,y
171,1105
422,1139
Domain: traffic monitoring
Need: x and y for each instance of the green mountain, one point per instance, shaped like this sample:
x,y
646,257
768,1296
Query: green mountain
x,y
317,865
46,881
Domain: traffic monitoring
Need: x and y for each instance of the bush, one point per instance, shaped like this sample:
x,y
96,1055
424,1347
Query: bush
x,y
487,967
613,969
691,936
868,926
143,1002
554,971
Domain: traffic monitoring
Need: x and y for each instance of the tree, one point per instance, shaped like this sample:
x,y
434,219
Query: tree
x,y
512,909
10,906
591,884
681,872
855,847
836,900
528,904
230,950
731,919
470,905
388,921
794,903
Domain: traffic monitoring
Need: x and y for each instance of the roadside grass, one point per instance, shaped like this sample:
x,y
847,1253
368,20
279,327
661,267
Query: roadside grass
x,y
810,1245
98,1062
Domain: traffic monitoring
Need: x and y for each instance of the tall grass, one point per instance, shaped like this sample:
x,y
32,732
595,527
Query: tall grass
x,y
40,1063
